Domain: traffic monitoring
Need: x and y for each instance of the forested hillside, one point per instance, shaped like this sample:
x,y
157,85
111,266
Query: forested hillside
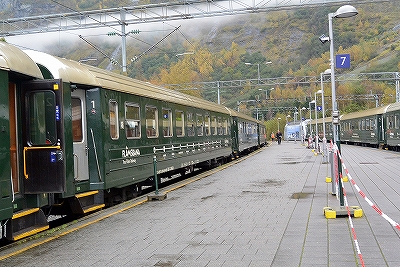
x,y
216,49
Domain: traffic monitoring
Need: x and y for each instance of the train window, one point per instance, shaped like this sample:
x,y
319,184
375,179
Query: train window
x,y
42,118
179,123
77,133
241,128
207,124
167,122
219,126
214,125
151,121
114,129
224,126
199,124
367,124
190,124
372,124
390,122
396,121
132,120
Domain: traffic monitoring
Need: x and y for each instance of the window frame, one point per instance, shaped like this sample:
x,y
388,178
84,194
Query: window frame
x,y
135,120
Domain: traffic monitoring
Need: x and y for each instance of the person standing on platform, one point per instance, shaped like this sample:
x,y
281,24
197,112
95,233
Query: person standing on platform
x,y
272,136
279,137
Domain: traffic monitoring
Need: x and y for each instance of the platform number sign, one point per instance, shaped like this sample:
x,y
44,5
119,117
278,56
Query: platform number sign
x,y
343,61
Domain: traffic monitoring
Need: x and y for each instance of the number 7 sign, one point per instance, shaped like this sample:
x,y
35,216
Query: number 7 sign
x,y
343,61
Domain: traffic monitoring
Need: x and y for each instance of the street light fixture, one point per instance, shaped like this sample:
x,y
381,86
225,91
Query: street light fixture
x,y
266,92
345,11
258,68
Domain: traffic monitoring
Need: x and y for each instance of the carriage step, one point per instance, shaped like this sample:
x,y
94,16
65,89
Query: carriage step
x,y
86,202
26,223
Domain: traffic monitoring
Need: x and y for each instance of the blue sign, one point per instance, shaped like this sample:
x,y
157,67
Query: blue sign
x,y
57,113
53,157
319,108
343,61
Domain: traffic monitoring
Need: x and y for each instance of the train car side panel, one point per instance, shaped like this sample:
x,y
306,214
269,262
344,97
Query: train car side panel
x,y
5,171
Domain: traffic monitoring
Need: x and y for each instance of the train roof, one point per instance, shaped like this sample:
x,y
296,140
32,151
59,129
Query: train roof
x,y
393,107
82,74
365,113
234,113
14,59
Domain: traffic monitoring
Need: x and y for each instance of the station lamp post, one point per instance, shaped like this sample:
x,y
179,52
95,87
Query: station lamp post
x,y
345,11
266,92
316,121
279,119
287,121
258,68
301,125
309,108
294,120
324,145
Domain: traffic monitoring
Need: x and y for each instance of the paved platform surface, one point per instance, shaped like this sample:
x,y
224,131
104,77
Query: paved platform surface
x,y
266,210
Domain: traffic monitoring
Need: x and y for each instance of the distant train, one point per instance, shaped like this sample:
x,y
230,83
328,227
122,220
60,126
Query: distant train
x,y
75,138
295,130
377,127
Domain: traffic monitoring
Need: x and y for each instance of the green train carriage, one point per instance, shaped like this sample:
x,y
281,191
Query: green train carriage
x,y
128,123
85,137
20,209
364,127
391,120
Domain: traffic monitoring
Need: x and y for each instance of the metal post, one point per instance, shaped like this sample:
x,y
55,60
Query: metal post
x,y
397,87
316,123
324,146
335,124
219,99
294,120
155,173
333,178
279,119
123,35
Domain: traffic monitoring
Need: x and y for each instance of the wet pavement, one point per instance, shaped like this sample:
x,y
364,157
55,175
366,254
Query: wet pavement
x,y
266,210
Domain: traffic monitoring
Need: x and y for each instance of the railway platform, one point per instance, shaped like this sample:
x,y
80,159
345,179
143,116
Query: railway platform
x,y
264,210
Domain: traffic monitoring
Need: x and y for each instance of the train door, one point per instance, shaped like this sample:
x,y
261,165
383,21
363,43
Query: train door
x,y
42,137
81,169
13,137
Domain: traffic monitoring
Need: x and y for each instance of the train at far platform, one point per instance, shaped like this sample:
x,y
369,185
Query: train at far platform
x,y
377,127
75,138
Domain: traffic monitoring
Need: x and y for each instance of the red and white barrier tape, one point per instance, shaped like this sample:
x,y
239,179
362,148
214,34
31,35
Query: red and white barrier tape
x,y
379,211
353,231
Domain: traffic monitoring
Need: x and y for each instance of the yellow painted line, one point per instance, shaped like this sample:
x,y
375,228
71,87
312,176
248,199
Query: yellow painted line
x,y
94,208
70,231
31,232
124,209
